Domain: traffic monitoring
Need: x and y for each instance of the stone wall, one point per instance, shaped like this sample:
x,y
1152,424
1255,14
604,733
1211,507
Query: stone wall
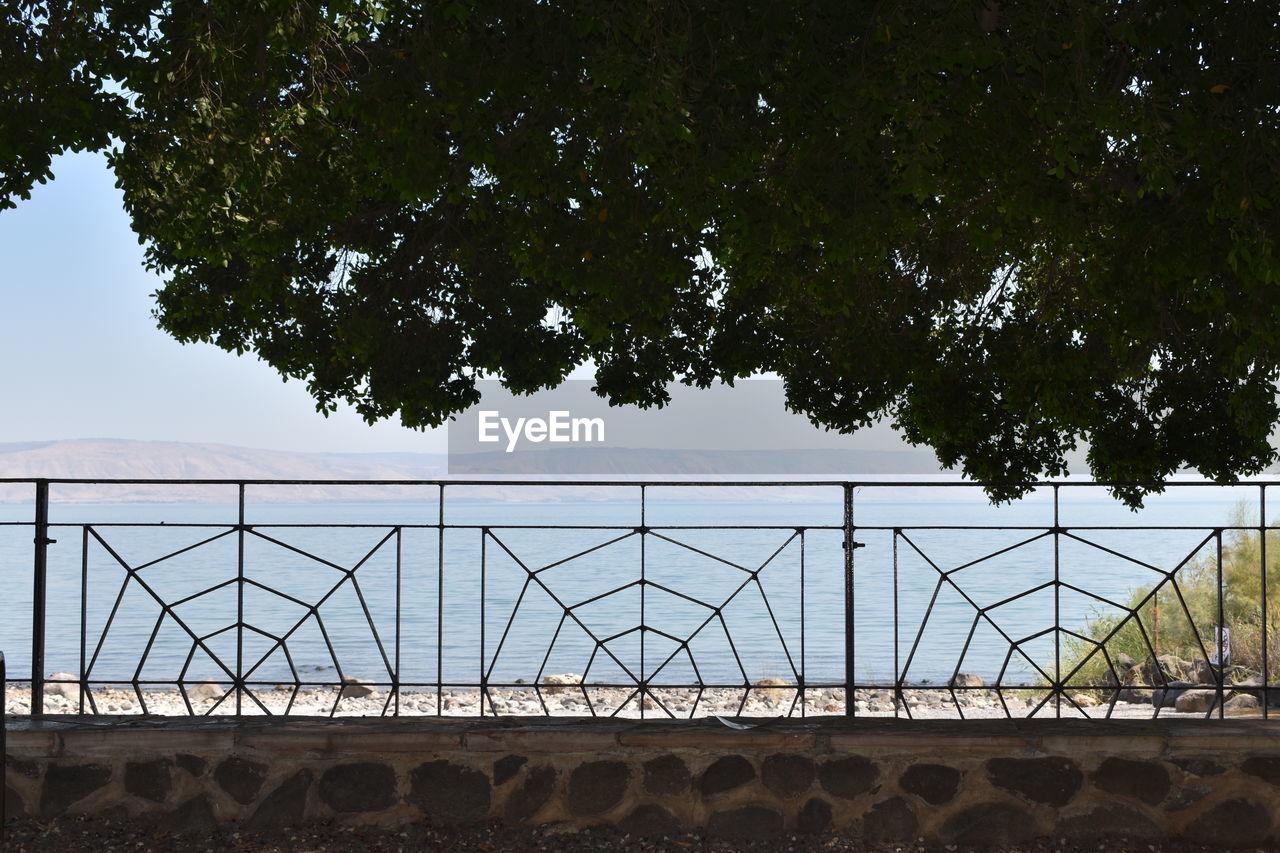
x,y
982,782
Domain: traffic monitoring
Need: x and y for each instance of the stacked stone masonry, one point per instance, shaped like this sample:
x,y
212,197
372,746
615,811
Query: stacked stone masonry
x,y
971,783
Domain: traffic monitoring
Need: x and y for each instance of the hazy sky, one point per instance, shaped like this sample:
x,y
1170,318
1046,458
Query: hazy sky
x,y
84,357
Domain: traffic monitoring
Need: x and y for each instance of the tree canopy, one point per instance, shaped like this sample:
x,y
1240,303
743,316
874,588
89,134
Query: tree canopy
x,y
1007,226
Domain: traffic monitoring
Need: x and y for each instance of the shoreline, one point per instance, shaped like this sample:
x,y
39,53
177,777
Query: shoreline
x,y
569,701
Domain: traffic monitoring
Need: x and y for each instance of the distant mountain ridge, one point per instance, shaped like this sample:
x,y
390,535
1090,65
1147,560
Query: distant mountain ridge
x,y
742,464
107,459
110,459
16,446
104,458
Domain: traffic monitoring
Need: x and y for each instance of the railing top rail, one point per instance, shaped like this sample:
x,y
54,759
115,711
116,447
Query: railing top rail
x,y
836,482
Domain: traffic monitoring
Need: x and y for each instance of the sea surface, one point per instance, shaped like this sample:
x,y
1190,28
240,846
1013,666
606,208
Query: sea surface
x,y
515,591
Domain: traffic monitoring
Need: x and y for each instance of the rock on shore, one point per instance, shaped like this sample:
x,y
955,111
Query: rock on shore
x,y
567,698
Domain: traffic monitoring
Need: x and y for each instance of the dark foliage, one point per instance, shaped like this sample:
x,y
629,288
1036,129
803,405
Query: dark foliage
x,y
1007,226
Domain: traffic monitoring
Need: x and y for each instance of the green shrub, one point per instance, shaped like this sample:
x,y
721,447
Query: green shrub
x,y
1162,626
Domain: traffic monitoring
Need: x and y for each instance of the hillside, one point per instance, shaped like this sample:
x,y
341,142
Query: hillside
x,y
171,460
106,459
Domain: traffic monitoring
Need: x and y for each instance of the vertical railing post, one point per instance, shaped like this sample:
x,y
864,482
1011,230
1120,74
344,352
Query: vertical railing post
x,y
804,664
1058,687
38,596
643,530
1262,559
240,602
440,606
899,701
1220,642
395,680
850,671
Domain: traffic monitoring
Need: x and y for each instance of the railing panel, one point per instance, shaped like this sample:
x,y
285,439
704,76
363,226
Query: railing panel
x,y
653,600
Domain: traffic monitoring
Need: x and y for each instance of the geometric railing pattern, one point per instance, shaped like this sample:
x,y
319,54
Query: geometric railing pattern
x,y
240,671
646,628
1061,687
649,610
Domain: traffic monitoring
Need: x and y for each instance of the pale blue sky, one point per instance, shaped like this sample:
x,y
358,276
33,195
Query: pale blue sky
x,y
84,357
86,360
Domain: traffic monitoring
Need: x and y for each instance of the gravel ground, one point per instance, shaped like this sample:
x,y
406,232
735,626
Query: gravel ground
x,y
762,701
70,835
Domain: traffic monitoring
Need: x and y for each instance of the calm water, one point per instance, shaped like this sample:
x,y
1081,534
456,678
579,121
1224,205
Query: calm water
x,y
705,585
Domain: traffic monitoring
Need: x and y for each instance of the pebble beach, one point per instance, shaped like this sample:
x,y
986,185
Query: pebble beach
x,y
577,701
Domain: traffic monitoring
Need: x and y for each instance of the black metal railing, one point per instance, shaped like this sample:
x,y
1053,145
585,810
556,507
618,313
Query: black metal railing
x,y
654,599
